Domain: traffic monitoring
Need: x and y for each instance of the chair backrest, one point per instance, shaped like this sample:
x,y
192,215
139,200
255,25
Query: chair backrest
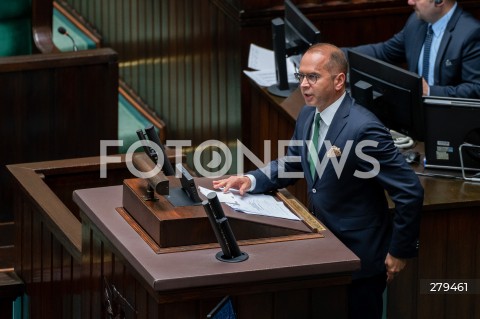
x,y
15,27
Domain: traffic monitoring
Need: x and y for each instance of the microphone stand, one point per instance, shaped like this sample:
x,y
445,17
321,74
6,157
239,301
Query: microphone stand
x,y
63,31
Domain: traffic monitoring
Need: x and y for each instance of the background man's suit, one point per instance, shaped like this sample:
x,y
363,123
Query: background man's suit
x,y
355,209
457,71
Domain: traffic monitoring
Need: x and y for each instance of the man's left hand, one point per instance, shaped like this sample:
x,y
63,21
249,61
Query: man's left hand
x,y
394,266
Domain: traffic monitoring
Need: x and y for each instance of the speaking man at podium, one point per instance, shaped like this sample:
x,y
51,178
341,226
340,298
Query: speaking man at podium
x,y
351,201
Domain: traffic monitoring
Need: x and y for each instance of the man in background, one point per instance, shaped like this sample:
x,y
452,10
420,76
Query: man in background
x,y
440,42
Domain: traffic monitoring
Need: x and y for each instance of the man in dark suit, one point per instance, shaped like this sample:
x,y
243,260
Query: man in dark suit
x,y
454,59
356,162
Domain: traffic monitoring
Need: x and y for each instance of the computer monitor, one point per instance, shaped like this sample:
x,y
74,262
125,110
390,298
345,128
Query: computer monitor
x,y
393,94
449,123
291,37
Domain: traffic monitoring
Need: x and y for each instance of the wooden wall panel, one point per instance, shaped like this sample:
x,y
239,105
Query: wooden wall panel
x,y
182,57
50,273
55,106
448,250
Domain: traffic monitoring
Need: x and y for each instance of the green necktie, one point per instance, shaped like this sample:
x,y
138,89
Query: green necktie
x,y
314,152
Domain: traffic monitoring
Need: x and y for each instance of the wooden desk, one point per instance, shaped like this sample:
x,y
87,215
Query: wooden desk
x,y
280,279
449,236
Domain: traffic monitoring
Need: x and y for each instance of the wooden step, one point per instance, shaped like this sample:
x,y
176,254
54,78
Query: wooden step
x,y
11,287
10,284
7,233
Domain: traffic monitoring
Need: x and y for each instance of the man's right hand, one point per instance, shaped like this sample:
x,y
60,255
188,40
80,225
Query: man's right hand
x,y
425,88
240,183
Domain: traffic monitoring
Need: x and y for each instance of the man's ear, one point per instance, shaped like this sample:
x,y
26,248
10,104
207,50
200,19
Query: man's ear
x,y
339,80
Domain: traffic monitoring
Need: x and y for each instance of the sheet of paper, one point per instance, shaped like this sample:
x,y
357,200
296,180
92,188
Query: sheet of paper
x,y
258,204
262,77
260,58
262,63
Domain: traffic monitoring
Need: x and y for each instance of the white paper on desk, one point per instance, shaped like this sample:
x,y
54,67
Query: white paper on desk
x,y
262,61
257,204
262,77
266,77
260,58
266,205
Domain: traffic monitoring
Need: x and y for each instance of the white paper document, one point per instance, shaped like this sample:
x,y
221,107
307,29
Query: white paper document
x,y
258,204
262,63
260,58
262,77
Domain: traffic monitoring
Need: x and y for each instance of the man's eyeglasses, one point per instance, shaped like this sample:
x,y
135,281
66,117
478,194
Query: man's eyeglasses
x,y
311,77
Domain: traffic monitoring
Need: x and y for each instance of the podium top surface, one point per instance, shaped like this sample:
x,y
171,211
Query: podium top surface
x,y
198,268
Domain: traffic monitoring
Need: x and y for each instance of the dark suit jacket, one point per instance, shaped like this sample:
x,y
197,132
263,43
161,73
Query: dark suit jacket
x,y
457,71
356,209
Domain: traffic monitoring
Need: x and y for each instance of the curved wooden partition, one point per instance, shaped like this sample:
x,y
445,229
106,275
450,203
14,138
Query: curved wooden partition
x,y
48,236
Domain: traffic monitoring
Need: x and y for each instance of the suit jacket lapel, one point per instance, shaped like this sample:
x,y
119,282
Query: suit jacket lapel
x,y
447,37
338,123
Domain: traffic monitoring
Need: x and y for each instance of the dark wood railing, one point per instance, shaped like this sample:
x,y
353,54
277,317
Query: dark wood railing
x,y
55,106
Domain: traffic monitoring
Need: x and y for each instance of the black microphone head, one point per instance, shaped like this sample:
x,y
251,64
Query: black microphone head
x,y
62,30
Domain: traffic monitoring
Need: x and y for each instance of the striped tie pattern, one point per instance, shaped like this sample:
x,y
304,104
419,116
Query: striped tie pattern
x,y
426,53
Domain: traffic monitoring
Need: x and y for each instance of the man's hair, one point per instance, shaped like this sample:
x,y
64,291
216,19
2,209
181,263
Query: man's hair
x,y
337,62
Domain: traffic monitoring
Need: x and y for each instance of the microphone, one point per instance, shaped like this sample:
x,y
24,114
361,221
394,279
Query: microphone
x,y
63,31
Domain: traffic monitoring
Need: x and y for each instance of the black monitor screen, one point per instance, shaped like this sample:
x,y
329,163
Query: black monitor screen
x,y
393,94
300,33
449,123
291,36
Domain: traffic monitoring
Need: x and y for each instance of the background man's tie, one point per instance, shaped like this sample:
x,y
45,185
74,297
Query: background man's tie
x,y
426,53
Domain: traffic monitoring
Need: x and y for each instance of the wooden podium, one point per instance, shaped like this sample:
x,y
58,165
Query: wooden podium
x,y
162,259
171,227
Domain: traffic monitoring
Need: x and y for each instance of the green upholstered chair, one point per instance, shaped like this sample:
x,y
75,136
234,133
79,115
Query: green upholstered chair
x,y
15,27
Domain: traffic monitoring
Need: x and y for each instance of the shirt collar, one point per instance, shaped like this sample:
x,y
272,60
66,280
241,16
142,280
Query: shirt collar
x,y
329,112
439,26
